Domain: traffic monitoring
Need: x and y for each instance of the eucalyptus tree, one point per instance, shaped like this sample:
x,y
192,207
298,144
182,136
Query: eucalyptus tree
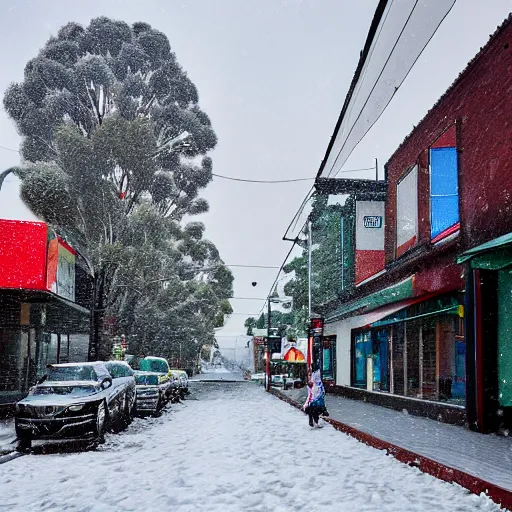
x,y
111,123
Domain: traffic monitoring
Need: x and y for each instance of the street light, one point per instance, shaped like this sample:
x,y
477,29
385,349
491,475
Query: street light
x,y
4,174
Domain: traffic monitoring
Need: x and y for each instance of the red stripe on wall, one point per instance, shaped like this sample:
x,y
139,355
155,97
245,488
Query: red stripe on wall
x,y
368,263
406,246
447,232
447,140
440,278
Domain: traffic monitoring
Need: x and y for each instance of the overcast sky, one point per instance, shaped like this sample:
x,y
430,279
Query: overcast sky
x,y
272,75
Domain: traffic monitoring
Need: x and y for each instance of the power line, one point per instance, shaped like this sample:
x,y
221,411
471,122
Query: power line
x,y
277,277
9,149
281,181
245,314
247,298
261,181
252,266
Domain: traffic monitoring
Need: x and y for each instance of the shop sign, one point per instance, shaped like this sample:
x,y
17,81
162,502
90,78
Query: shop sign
x,y
61,268
372,221
66,272
369,254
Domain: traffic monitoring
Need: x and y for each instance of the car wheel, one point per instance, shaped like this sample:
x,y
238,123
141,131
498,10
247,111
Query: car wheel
x,y
129,409
24,441
101,422
158,407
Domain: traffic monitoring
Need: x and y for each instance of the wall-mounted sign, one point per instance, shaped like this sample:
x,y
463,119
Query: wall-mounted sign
x,y
372,221
61,268
369,239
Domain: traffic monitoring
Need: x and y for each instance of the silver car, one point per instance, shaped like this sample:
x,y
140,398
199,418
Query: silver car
x,y
72,401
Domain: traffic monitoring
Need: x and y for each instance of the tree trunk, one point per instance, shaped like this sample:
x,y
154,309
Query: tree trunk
x,y
99,348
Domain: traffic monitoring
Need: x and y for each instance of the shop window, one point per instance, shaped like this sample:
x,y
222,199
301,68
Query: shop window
x,y
412,359
504,352
328,357
428,359
398,358
444,193
407,212
381,360
362,349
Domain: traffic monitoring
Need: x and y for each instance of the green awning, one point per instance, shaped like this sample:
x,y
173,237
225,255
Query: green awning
x,y
395,293
493,255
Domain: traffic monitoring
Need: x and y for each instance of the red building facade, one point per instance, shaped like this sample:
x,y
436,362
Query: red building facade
x,y
449,190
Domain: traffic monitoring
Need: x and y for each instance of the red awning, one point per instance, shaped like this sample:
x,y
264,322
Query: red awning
x,y
294,355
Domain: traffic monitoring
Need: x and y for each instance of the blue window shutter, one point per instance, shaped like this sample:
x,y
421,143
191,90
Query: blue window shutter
x,y
444,190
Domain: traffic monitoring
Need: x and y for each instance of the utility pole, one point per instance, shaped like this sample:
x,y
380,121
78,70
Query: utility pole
x,y
376,170
267,362
309,268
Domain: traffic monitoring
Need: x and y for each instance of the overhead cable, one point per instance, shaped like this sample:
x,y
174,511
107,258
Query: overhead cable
x,y
398,34
277,278
293,180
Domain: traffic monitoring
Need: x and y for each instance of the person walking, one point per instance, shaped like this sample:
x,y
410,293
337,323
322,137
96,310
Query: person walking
x,y
315,402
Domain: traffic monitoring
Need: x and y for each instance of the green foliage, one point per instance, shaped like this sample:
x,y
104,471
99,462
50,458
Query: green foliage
x,y
115,146
326,257
250,323
261,322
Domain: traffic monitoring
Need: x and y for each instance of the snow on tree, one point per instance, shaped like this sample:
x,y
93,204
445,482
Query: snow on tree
x,y
115,153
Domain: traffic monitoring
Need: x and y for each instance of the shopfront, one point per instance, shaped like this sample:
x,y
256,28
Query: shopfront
x,y
489,334
44,291
417,352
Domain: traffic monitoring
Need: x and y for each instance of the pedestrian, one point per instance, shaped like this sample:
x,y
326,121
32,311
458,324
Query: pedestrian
x,y
315,402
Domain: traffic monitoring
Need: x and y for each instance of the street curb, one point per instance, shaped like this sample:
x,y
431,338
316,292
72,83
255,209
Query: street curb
x,y
438,470
10,456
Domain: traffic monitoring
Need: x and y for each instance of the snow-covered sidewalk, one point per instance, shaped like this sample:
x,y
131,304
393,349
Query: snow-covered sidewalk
x,y
488,457
7,436
233,448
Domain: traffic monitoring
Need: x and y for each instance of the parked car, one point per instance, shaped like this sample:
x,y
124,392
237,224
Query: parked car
x,y
152,392
260,377
72,401
182,381
291,382
278,381
123,381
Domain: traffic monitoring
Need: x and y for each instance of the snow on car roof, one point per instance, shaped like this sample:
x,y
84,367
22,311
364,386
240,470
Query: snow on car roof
x,y
67,383
66,365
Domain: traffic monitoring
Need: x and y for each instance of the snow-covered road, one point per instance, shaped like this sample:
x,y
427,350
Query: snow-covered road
x,y
230,448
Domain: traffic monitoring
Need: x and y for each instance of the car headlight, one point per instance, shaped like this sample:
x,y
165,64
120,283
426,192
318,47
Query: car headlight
x,y
76,407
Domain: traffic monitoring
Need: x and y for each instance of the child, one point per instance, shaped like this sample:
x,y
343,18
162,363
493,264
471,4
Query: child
x,y
315,403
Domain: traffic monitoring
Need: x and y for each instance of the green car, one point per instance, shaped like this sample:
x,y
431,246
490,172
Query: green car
x,y
153,385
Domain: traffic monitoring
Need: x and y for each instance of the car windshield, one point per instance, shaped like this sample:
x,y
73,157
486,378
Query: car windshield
x,y
146,380
66,373
65,390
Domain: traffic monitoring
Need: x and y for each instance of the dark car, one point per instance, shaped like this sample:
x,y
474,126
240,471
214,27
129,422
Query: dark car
x,y
152,392
73,401
123,381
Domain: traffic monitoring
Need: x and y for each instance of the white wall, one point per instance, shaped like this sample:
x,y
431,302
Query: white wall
x,y
342,331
